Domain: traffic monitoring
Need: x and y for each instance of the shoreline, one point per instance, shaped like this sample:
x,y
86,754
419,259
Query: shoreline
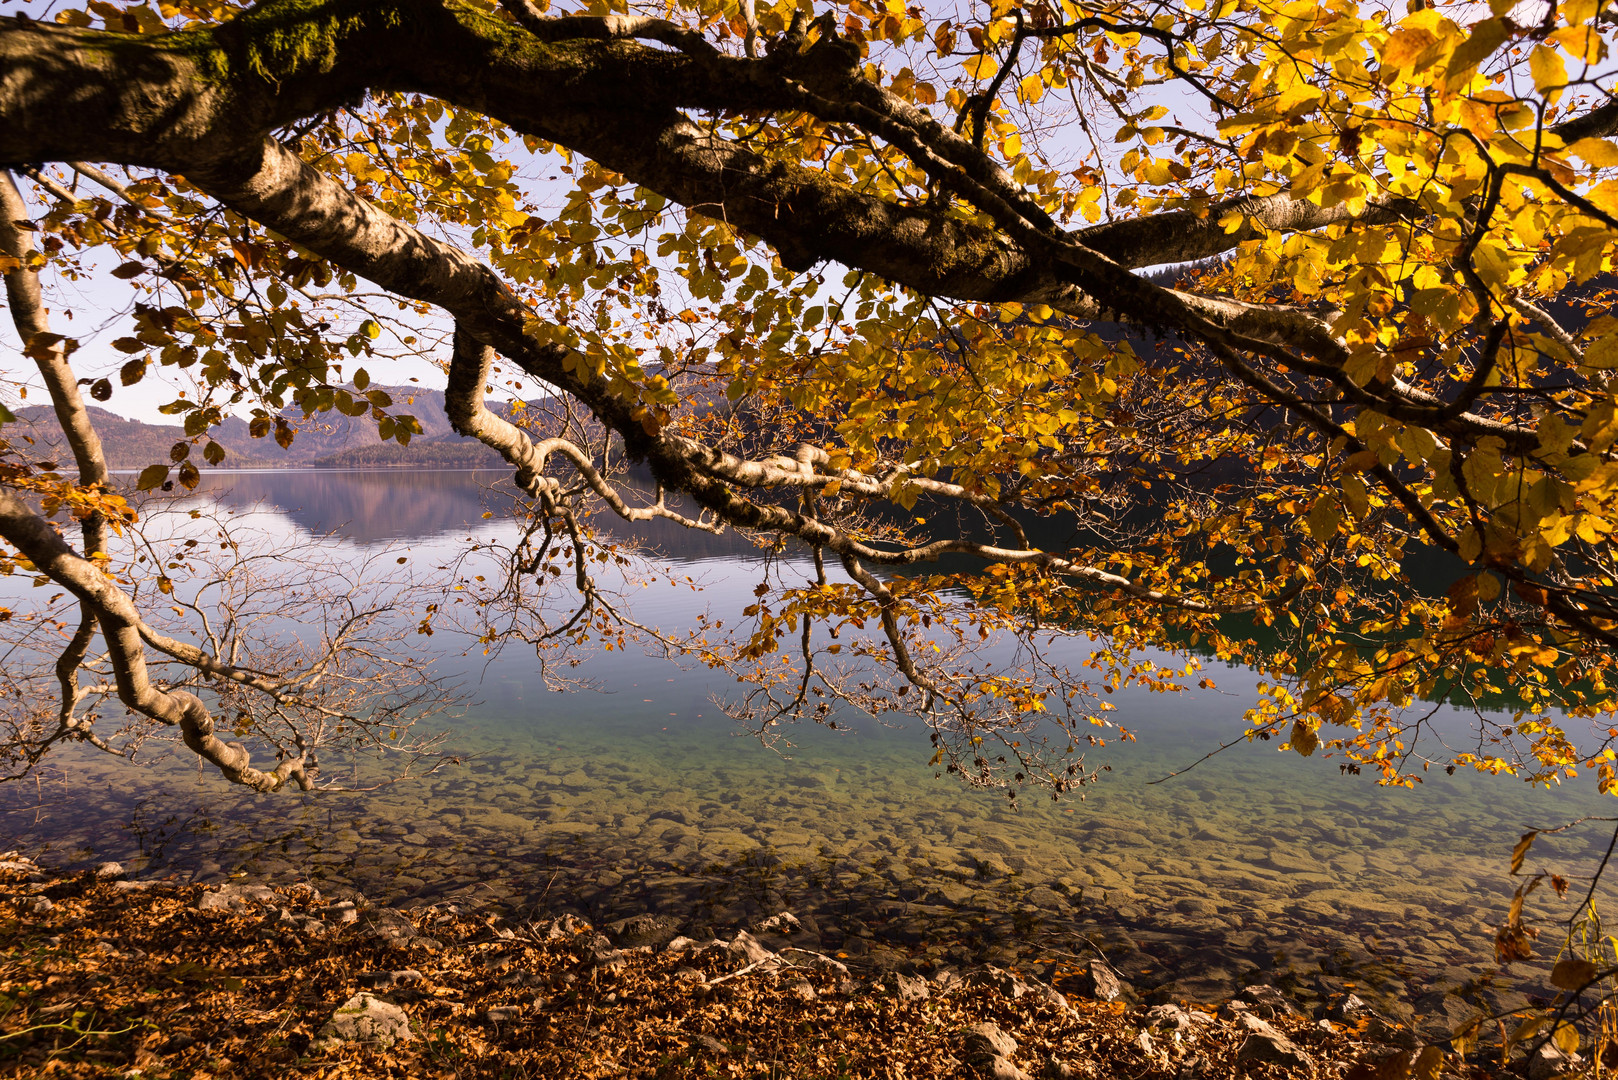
x,y
485,993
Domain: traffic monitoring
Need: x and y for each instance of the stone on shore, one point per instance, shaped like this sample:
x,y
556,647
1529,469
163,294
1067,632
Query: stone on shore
x,y
648,929
228,898
748,947
1266,1044
1103,983
990,1051
363,1018
1265,1002
1549,1061
907,988
1353,1013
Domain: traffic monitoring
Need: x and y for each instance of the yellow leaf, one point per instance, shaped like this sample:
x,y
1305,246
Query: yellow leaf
x,y
1405,45
1428,1064
1480,44
1303,738
1580,41
1602,353
1324,518
1355,495
981,66
1548,70
1156,172
1598,152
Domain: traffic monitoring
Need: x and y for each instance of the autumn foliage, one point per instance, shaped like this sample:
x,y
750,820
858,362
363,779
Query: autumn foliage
x,y
1361,437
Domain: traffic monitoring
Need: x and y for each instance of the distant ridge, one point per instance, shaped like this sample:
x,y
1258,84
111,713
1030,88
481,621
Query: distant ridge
x,y
329,440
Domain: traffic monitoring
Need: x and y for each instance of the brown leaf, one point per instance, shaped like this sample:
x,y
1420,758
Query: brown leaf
x,y
1573,974
1520,852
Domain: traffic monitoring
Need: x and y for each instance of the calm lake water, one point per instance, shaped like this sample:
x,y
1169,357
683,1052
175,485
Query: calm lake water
x,y
1254,866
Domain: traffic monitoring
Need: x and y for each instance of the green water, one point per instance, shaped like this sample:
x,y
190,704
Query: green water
x,y
1253,866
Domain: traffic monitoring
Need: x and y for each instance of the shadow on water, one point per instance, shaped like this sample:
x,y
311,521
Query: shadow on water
x,y
1253,866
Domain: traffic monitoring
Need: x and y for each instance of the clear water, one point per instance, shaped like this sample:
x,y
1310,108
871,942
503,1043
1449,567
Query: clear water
x,y
1252,866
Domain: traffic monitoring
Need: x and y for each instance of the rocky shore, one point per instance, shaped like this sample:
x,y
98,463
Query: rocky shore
x,y
105,976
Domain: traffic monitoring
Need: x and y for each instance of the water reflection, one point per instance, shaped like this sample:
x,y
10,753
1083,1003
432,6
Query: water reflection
x,y
1251,866
406,506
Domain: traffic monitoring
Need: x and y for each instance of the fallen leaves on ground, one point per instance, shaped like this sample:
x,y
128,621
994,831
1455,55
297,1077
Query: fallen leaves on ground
x,y
116,980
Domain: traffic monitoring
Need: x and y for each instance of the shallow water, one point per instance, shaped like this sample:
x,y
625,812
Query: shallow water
x,y
1252,866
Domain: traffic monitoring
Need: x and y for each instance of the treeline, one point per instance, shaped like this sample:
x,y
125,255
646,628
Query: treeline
x,y
445,453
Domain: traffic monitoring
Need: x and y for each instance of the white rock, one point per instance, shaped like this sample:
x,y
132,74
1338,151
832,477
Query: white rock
x,y
748,948
990,1049
363,1018
1267,1044
1550,1061
234,898
784,923
982,1041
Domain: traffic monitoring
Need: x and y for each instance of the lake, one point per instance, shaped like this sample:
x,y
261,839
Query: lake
x,y
1255,866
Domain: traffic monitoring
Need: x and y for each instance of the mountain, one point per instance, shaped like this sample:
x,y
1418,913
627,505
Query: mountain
x,y
330,440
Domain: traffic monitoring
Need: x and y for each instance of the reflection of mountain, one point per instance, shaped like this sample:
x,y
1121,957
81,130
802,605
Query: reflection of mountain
x,y
363,506
369,506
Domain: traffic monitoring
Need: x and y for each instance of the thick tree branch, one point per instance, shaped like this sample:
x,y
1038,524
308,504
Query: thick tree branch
x,y
121,627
